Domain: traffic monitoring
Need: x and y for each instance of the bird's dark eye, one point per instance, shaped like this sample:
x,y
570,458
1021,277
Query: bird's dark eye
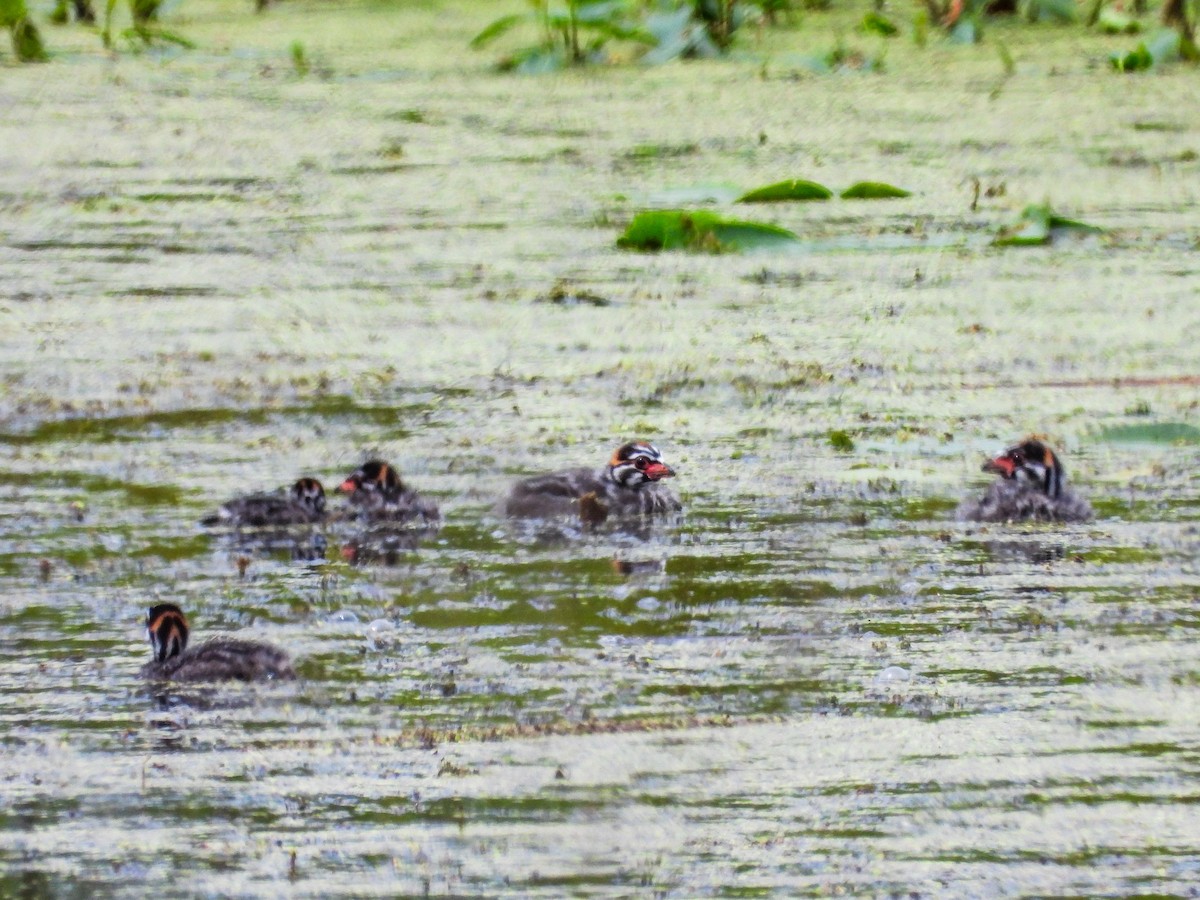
x,y
640,463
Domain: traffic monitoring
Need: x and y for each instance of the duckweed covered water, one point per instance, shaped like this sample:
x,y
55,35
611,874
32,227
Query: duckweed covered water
x,y
216,275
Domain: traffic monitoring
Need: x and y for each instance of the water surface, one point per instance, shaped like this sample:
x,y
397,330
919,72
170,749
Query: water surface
x,y
217,275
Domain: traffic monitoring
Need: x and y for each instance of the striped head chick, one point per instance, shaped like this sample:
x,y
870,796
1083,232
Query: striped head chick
x,y
637,463
308,494
1031,463
372,481
167,628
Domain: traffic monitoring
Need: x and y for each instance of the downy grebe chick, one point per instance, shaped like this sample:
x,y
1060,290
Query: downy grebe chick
x,y
219,659
302,504
378,495
1031,487
627,486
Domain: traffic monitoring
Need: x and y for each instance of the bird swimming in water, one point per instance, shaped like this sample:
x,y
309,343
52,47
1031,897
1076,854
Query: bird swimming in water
x,y
302,504
629,485
377,494
1031,488
218,659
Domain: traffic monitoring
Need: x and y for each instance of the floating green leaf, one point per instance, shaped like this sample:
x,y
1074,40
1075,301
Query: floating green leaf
x,y
676,229
1037,225
873,190
796,189
1155,433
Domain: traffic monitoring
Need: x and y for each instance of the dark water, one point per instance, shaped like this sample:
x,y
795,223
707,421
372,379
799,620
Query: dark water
x,y
216,277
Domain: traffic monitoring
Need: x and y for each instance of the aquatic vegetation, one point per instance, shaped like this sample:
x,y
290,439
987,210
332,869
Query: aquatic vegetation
x,y
26,39
83,12
790,190
842,57
580,31
299,58
1037,225
798,189
696,29
570,35
700,230
1166,46
142,32
875,22
873,190
1177,15
841,441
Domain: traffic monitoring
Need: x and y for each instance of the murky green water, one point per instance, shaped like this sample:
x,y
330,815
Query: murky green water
x,y
215,276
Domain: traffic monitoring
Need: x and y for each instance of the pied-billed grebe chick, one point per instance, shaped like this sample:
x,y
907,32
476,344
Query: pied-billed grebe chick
x,y
377,494
219,659
627,486
1031,487
302,504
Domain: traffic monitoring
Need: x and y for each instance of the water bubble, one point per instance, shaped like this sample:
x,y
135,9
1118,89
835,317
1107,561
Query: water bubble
x,y
893,675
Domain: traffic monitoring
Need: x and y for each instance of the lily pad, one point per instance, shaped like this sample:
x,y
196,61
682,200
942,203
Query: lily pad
x,y
1152,433
873,190
1037,225
783,191
677,229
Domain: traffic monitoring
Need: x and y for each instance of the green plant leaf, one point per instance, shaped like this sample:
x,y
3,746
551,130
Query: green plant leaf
x,y
27,42
782,191
149,35
676,229
12,12
1152,433
1037,225
873,190
1136,60
1163,47
874,23
501,26
599,11
1073,224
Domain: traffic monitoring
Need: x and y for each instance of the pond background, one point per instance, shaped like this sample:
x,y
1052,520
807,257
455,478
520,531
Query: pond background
x,y
216,275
